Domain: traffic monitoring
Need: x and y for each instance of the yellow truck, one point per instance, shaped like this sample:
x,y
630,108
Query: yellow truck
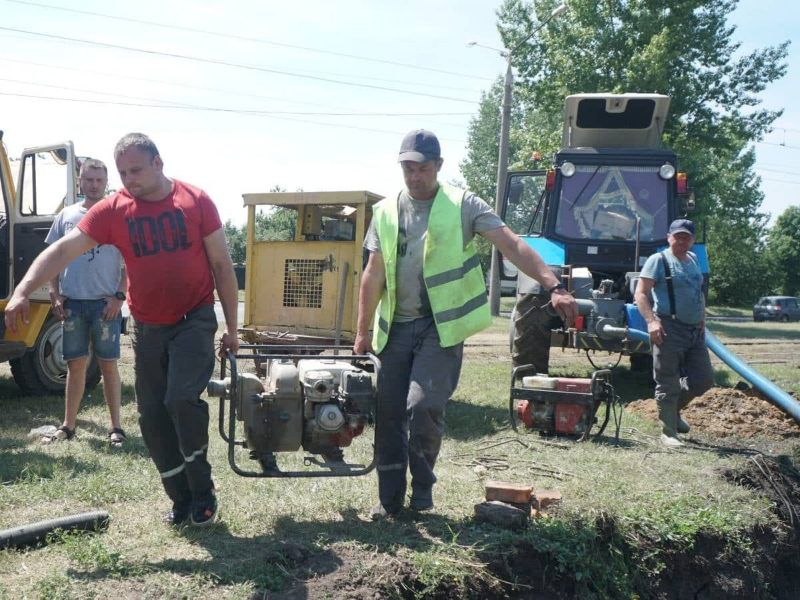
x,y
46,181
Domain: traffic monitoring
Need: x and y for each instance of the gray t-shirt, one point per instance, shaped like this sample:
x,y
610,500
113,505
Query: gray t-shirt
x,y
687,284
412,295
94,274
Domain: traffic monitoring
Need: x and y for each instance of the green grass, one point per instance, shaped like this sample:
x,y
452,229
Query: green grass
x,y
274,533
728,311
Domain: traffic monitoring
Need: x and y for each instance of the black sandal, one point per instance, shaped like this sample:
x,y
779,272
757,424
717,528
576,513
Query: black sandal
x,y
54,437
116,443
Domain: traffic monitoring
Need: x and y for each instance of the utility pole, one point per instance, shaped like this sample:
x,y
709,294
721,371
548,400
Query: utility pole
x,y
502,159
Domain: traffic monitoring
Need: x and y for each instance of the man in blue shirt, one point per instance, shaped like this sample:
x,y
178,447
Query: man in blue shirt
x,y
676,324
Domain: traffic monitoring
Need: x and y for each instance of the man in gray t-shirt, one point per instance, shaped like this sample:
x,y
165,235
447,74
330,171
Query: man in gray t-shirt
x,y
87,296
419,349
412,296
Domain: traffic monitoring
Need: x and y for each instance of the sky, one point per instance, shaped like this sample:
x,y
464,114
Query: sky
x,y
313,95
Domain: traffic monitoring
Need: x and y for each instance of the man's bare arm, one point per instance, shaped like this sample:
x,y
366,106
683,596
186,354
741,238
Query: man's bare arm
x,y
530,263
46,266
373,282
642,299
225,281
56,299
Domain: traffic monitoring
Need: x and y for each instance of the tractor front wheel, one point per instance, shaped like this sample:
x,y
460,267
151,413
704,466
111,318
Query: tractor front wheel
x,y
42,370
530,332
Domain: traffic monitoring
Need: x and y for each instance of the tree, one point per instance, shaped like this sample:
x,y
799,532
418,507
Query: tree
x,y
784,246
275,224
237,241
681,48
479,168
741,267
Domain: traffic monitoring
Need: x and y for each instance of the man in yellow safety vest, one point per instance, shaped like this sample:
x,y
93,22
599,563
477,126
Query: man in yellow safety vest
x,y
424,286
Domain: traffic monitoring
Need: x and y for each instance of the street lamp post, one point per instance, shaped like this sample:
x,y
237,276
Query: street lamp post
x,y
502,159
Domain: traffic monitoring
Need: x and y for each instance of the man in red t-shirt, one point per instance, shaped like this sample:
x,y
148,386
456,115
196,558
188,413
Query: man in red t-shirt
x,y
171,238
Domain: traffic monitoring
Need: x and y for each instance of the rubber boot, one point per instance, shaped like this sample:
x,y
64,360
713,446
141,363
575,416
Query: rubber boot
x,y
682,426
668,415
683,401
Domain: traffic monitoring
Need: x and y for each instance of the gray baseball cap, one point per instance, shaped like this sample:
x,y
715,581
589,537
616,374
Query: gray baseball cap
x,y
420,146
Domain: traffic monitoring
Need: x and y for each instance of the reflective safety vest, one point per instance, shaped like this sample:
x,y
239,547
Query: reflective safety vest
x,y
452,273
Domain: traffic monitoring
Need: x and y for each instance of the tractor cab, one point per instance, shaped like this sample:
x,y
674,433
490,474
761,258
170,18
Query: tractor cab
x,y
607,200
595,216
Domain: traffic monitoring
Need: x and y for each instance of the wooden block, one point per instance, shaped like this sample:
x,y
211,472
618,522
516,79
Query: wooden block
x,y
501,514
502,491
545,498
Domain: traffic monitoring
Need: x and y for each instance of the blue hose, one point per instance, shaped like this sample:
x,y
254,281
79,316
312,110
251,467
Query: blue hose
x,y
624,333
778,396
783,400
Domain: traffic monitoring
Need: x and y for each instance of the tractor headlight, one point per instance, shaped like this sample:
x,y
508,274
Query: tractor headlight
x,y
567,169
666,172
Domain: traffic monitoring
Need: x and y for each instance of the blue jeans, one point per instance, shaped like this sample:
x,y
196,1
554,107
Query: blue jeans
x,y
83,325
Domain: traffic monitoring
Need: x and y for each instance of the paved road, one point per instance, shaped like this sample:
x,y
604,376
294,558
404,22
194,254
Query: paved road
x,y
217,310
507,315
221,317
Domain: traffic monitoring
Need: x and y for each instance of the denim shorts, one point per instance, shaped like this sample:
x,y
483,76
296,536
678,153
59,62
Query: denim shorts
x,y
83,325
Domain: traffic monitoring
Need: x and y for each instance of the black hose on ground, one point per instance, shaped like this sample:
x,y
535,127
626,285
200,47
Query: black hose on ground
x,y
34,533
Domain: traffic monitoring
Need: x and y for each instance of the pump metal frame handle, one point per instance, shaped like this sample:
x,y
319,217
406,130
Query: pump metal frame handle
x,y
294,353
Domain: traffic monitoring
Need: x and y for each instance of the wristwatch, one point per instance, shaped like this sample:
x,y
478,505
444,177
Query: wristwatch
x,y
558,286
120,295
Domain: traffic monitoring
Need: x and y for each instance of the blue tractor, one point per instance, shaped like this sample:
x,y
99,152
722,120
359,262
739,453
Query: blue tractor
x,y
595,216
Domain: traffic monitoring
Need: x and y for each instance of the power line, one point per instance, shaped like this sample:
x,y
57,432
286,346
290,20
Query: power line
x,y
781,145
165,82
781,180
782,171
247,39
212,109
783,168
199,87
225,109
231,64
73,89
328,73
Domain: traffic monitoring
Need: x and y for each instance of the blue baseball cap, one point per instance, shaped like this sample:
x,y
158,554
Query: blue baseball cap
x,y
420,146
681,226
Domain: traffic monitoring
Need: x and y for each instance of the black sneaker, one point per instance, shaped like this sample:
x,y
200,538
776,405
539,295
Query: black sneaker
x,y
421,498
179,515
204,509
379,511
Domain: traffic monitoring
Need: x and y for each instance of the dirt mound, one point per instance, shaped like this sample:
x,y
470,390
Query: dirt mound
x,y
728,412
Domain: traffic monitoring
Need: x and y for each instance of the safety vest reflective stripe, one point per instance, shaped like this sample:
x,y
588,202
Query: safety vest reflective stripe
x,y
383,325
454,274
461,311
450,271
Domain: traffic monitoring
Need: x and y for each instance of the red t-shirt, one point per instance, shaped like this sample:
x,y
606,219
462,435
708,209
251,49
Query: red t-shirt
x,y
162,244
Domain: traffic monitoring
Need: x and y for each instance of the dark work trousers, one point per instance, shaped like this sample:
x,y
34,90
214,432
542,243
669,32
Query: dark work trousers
x,y
418,377
681,368
173,364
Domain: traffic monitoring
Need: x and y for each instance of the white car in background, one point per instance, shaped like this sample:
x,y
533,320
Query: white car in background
x,y
508,287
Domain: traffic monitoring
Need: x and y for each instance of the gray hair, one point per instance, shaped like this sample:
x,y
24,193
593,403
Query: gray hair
x,y
93,163
136,140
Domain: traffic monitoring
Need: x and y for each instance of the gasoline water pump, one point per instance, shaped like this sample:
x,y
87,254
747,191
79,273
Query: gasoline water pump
x,y
562,405
293,401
